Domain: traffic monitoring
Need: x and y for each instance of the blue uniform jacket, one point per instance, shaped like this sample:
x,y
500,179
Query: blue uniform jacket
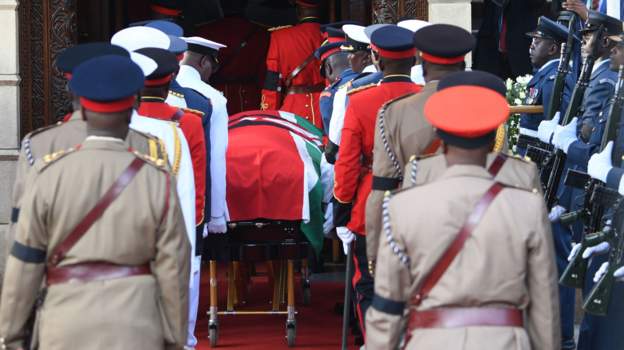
x,y
198,102
540,90
594,112
326,100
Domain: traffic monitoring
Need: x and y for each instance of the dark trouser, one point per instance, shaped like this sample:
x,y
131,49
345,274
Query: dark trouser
x,y
603,332
362,280
563,241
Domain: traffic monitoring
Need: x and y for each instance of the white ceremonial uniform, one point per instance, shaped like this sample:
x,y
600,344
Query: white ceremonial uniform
x,y
179,158
189,77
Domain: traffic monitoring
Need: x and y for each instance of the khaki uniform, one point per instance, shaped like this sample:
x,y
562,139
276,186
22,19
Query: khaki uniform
x,y
507,262
61,136
516,172
401,130
143,225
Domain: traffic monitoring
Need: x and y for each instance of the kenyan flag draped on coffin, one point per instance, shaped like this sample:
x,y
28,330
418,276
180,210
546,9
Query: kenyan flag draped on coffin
x,y
273,170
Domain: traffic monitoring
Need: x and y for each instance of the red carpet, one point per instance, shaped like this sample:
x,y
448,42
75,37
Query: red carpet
x,y
318,327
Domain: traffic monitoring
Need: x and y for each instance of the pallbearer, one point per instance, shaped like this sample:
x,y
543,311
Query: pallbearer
x,y
115,259
393,52
468,259
401,128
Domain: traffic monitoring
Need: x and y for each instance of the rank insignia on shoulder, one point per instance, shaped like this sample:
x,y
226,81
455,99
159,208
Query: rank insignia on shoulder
x,y
157,162
53,157
606,80
361,88
272,29
193,111
176,94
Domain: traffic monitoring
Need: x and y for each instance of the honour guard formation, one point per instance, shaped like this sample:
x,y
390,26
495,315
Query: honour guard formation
x,y
172,198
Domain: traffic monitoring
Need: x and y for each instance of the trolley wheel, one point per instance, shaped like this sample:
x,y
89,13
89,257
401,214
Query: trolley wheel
x,y
213,334
291,334
307,294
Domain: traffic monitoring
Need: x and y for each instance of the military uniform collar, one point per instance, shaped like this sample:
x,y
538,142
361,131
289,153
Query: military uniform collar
x,y
547,64
102,142
466,171
599,67
310,19
189,77
396,78
431,85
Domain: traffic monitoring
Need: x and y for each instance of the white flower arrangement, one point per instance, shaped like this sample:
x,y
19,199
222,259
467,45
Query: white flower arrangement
x,y
516,94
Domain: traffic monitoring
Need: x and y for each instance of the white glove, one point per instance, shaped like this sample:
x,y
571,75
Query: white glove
x,y
547,127
346,237
601,271
217,225
328,224
563,137
575,248
619,274
600,163
556,212
597,249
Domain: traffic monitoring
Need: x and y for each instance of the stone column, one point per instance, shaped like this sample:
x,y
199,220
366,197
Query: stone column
x,y
457,12
9,116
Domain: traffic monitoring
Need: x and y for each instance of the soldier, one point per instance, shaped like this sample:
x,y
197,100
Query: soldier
x,y
401,128
579,140
293,83
153,105
107,264
602,332
336,69
544,51
467,265
358,44
512,171
64,135
199,63
393,52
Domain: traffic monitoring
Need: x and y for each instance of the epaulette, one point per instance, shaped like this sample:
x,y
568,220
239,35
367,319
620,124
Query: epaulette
x,y
156,162
27,140
193,111
517,157
53,157
361,88
397,99
176,94
272,29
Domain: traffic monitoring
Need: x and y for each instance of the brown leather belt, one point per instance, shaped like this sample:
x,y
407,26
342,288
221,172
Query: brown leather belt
x,y
93,271
305,89
465,317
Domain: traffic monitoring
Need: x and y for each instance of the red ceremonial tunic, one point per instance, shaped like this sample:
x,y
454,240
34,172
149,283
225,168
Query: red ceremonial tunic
x,y
191,125
353,168
289,48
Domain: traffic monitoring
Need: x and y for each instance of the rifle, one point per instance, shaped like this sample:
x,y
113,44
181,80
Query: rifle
x,y
564,65
597,196
597,302
538,151
572,111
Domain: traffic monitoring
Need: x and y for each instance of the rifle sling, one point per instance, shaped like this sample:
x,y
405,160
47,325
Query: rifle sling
x,y
96,212
455,247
